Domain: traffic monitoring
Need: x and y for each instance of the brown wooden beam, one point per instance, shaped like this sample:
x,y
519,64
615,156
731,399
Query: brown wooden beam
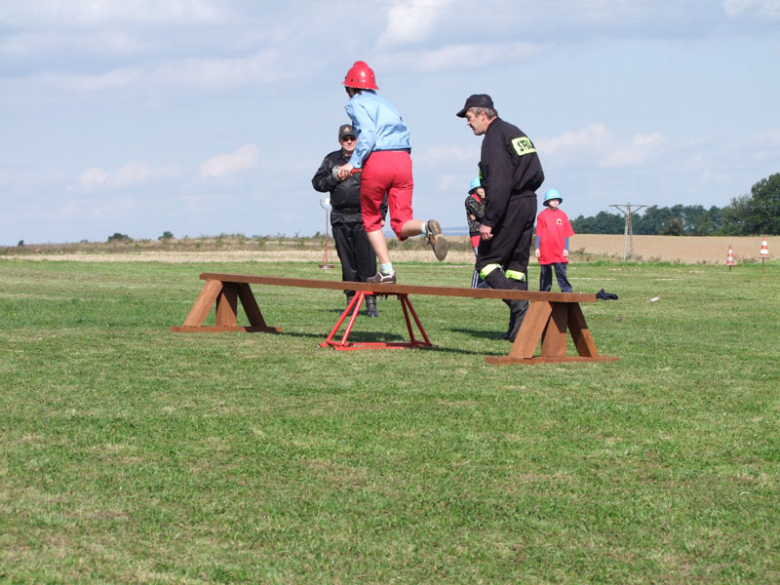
x,y
405,289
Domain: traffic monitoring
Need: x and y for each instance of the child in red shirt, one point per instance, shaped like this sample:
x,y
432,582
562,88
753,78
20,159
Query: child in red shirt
x,y
552,242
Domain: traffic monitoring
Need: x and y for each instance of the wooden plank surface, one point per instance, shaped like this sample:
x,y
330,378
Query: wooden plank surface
x,y
407,289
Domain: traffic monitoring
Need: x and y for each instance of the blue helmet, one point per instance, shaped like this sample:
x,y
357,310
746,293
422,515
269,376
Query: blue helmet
x,y
475,183
552,194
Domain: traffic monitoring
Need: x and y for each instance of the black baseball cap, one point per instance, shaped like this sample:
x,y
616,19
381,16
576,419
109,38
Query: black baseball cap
x,y
478,100
346,130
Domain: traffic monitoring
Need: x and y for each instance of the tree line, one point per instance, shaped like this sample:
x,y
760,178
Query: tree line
x,y
756,213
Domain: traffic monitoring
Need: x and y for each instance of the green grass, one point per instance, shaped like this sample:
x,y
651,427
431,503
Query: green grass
x,y
129,454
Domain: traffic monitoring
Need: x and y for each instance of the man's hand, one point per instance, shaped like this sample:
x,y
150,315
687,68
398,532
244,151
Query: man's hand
x,y
537,253
565,253
345,171
486,232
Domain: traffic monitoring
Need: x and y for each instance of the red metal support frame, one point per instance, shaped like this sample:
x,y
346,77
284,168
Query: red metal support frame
x,y
352,312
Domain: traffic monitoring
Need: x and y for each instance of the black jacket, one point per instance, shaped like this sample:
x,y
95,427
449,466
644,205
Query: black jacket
x,y
343,194
509,168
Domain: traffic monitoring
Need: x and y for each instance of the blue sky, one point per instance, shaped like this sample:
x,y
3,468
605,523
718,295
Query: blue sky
x,y
202,117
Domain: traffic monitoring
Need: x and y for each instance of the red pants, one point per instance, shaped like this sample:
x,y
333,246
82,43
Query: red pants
x,y
387,172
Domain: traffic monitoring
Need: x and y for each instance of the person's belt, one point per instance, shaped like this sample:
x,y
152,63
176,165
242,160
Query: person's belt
x,y
347,210
526,193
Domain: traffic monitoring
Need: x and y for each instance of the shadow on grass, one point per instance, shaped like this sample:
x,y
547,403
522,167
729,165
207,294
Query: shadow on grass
x,y
492,335
374,337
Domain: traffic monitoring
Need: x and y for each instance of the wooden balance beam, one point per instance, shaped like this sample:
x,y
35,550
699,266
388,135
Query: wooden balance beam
x,y
548,319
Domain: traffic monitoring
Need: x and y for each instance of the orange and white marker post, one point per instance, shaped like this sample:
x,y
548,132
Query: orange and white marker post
x,y
730,258
764,253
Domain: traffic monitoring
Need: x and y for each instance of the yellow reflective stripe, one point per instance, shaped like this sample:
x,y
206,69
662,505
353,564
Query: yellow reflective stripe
x,y
523,145
515,275
488,269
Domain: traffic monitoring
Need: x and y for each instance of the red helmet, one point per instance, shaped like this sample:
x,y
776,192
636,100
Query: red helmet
x,y
361,76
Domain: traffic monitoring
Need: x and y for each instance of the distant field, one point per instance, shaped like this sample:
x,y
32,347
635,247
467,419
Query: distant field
x,y
685,250
585,247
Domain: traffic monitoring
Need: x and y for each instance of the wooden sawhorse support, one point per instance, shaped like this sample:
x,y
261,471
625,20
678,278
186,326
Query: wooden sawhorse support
x,y
549,322
225,295
549,318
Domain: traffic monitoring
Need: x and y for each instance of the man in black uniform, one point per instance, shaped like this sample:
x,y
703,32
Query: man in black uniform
x,y
510,173
358,260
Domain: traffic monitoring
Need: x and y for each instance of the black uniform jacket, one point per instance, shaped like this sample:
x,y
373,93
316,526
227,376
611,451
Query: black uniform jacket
x,y
509,168
344,195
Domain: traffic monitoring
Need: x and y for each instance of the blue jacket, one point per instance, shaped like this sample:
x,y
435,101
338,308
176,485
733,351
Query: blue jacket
x,y
378,124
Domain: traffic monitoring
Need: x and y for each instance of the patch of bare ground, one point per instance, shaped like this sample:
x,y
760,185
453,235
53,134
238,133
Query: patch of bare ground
x,y
685,250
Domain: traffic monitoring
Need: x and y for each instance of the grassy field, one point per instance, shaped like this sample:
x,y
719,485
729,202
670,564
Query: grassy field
x,y
129,454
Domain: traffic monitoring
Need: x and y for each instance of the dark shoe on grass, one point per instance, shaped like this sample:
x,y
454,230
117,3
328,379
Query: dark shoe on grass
x,y
371,309
349,300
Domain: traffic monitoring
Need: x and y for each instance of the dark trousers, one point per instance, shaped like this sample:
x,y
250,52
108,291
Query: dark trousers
x,y
545,280
511,243
476,280
358,260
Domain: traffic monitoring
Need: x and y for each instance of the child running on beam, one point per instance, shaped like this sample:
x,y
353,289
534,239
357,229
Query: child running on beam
x,y
383,155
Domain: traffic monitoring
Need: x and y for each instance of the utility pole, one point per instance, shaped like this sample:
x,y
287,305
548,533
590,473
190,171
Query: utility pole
x,y
628,235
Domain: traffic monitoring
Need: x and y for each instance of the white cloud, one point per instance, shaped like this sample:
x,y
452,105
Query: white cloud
x,y
112,208
446,154
452,183
85,13
593,137
647,139
597,145
132,173
457,57
92,177
220,73
101,42
216,74
411,23
116,79
641,149
241,159
771,136
768,8
765,146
